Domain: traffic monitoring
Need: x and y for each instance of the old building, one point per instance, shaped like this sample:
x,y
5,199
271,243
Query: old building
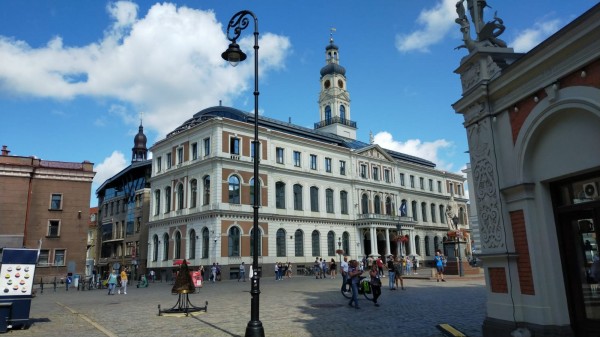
x,y
321,190
533,125
45,204
123,214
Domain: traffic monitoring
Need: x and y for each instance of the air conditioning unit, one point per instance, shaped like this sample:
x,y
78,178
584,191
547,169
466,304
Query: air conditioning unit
x,y
590,190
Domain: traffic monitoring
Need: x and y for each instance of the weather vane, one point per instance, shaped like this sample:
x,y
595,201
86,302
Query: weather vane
x,y
331,30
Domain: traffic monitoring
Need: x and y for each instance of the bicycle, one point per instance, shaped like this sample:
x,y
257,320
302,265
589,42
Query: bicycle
x,y
308,271
364,288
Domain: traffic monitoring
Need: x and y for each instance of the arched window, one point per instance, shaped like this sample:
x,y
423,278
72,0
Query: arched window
x,y
280,242
193,193
427,250
418,244
346,243
167,199
316,245
177,244
234,190
252,192
414,211
388,206
331,243
442,214
252,242
280,195
329,200
233,241
155,248
156,202
342,113
314,199
432,210
297,197
424,211
180,196
364,204
206,189
165,251
299,243
328,114
377,205
192,245
344,202
205,243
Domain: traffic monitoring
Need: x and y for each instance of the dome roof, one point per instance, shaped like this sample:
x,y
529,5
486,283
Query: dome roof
x,y
333,68
331,46
140,139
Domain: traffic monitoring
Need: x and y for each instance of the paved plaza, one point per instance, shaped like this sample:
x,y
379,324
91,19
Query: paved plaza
x,y
300,306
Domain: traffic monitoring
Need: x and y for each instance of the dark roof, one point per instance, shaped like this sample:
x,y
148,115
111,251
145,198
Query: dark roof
x,y
138,165
289,128
333,68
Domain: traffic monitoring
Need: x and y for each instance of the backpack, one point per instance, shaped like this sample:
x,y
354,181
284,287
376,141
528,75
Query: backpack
x,y
366,287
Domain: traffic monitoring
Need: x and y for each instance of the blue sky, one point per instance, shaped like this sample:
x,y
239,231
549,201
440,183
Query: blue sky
x,y
75,76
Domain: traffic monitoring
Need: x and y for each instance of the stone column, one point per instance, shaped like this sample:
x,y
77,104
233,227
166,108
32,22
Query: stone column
x,y
387,242
373,241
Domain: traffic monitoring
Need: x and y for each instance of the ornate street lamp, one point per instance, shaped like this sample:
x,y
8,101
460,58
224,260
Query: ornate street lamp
x,y
234,55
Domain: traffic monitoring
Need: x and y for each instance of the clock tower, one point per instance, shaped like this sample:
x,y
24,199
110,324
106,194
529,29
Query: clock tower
x,y
334,99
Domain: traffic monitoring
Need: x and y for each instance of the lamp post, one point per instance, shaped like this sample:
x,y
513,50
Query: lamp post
x,y
340,250
400,242
239,21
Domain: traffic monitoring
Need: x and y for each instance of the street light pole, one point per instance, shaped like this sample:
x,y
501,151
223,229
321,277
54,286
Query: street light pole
x,y
234,55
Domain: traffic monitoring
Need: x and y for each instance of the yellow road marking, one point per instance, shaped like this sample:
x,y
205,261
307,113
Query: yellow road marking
x,y
87,319
449,330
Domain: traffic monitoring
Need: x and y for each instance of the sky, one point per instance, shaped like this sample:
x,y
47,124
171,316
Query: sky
x,y
78,76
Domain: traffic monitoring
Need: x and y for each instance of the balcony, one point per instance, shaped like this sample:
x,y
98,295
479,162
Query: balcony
x,y
335,120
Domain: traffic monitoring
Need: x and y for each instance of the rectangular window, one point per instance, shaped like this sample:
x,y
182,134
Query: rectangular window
x,y
234,146
206,147
431,185
158,164
59,257
56,202
439,186
169,161
328,165
43,260
422,183
375,173
412,181
180,155
451,189
342,168
363,171
279,155
53,228
297,162
313,161
194,151
252,151
401,179
386,176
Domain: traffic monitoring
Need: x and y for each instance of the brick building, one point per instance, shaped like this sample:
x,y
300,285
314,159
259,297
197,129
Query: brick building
x,y
45,204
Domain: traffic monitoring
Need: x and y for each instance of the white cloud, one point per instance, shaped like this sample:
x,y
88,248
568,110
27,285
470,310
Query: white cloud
x,y
167,64
531,37
435,22
109,167
414,147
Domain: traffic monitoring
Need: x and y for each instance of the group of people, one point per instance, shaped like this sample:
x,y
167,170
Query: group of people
x,y
118,282
282,269
323,269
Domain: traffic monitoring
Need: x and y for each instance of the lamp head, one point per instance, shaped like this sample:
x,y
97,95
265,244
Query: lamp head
x,y
233,54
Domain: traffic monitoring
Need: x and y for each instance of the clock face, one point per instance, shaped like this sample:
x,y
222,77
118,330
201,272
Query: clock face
x,y
327,84
341,84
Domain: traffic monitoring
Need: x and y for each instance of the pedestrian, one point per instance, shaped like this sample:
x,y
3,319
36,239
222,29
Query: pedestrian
x,y
317,267
213,273
242,274
276,267
344,271
324,268
354,274
152,275
218,272
439,265
399,271
332,268
280,271
112,282
288,271
124,279
379,263
391,272
375,283
415,264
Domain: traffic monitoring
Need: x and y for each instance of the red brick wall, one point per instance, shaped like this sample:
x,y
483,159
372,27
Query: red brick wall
x,y
498,280
517,220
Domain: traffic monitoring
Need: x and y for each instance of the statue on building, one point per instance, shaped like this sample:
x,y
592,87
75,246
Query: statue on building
x,y
487,33
451,214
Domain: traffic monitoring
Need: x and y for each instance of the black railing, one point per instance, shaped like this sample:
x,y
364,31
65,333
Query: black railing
x,y
335,120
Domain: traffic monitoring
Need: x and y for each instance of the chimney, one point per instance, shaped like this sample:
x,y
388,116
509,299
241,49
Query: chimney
x,y
5,150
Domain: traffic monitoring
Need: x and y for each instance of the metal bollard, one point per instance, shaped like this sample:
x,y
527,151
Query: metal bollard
x,y
54,283
41,285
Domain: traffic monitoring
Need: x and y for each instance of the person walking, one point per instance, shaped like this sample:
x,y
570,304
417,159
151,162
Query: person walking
x,y
399,271
391,272
354,273
124,279
288,272
439,265
112,282
375,283
344,272
332,269
213,273
242,275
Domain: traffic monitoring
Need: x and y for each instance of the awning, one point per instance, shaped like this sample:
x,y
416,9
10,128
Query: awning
x,y
179,262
